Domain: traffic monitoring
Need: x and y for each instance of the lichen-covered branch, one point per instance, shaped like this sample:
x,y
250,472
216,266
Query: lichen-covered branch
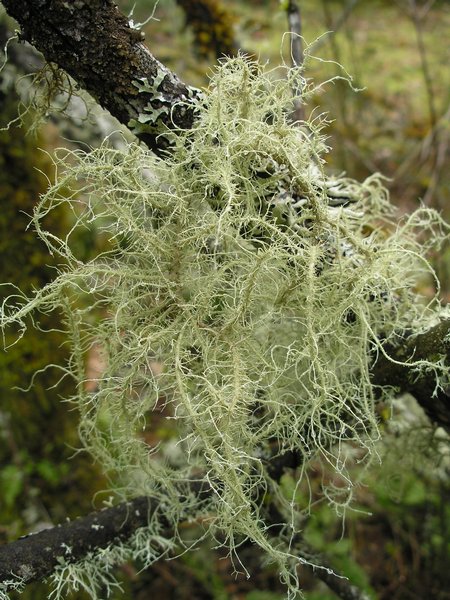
x,y
35,556
94,43
433,345
244,275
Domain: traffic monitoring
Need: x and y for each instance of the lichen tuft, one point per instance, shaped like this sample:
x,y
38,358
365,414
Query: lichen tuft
x,y
246,295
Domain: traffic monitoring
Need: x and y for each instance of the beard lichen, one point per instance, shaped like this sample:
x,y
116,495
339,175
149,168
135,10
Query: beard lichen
x,y
244,299
95,572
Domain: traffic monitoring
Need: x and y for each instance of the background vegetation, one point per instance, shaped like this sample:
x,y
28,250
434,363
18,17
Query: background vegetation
x,y
396,544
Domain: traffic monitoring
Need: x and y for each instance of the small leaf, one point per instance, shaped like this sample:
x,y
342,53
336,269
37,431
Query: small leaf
x,y
11,478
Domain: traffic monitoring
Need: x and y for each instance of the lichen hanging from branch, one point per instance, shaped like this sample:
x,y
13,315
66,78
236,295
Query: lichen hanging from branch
x,y
247,295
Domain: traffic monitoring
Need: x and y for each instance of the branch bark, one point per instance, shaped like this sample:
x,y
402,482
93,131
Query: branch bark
x,y
432,345
94,43
35,556
297,57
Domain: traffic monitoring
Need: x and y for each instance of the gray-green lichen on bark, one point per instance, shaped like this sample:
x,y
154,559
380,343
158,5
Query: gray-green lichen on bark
x,y
263,299
34,557
95,44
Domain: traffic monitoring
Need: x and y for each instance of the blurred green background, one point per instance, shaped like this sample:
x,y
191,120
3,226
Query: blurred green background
x,y
395,542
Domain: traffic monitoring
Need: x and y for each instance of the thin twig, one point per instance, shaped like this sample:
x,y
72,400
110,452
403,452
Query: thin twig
x,y
421,151
341,95
337,24
295,29
417,21
439,163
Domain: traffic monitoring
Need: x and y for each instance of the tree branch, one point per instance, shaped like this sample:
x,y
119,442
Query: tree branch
x,y
94,43
432,345
36,556
338,584
297,57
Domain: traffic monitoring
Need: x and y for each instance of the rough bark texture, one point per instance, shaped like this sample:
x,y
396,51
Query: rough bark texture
x,y
35,556
93,42
433,345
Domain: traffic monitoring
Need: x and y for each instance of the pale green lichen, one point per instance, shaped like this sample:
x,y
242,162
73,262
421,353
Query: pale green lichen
x,y
48,91
245,298
15,584
95,573
147,121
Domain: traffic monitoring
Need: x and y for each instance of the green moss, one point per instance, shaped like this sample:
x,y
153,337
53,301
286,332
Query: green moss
x,y
249,301
212,25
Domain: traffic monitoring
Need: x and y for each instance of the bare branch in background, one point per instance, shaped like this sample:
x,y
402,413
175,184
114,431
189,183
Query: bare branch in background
x,y
438,141
442,139
212,26
295,30
417,19
337,24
